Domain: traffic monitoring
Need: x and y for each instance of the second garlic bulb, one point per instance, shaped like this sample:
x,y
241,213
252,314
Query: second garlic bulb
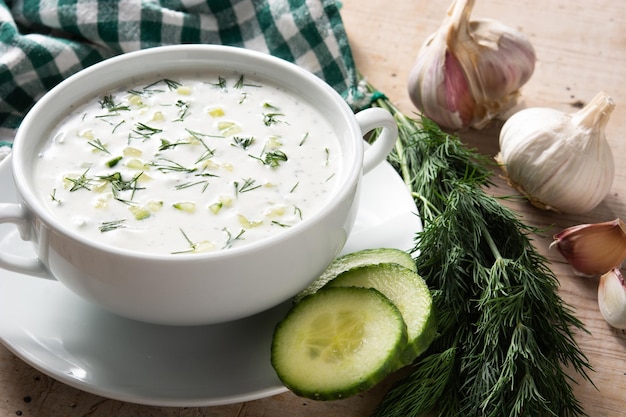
x,y
560,161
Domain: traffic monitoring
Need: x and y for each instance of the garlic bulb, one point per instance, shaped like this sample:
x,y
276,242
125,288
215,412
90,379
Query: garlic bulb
x,y
612,298
560,161
593,249
469,72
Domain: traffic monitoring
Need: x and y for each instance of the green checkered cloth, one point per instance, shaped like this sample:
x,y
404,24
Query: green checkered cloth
x,y
42,42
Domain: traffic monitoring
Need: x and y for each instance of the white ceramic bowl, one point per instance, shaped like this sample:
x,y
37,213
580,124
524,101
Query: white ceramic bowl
x,y
190,289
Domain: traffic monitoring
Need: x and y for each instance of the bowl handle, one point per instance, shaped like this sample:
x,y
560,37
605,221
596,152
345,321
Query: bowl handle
x,y
370,119
15,213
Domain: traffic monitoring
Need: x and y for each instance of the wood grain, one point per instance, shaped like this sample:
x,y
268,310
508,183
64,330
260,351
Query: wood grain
x,y
581,50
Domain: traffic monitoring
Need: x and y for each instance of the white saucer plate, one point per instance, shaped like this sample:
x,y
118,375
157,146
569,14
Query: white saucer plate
x,y
81,345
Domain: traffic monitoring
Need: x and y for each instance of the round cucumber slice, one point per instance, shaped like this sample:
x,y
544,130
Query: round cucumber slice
x,y
359,258
407,290
338,342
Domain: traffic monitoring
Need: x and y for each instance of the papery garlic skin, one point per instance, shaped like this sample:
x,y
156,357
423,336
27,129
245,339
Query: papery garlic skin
x,y
560,161
593,249
438,85
469,72
504,60
439,88
612,298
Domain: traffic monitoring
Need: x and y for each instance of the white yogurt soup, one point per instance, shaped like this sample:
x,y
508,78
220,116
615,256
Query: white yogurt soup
x,y
188,164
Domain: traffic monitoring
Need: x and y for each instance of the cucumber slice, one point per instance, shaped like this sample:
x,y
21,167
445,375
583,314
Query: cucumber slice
x,y
354,259
338,342
408,291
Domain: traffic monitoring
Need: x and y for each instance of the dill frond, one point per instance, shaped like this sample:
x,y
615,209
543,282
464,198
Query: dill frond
x,y
505,335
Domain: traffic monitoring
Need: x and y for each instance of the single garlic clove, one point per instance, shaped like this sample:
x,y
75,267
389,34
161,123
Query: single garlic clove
x,y
469,72
612,298
561,161
593,249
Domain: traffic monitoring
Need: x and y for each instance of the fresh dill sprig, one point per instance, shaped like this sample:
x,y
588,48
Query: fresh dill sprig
x,y
145,131
111,106
167,165
244,96
199,135
245,186
119,184
231,239
271,118
166,144
170,84
241,83
139,93
152,88
207,154
118,125
505,335
304,138
272,158
221,82
183,186
82,182
243,142
112,225
99,146
197,138
277,223
193,246
107,102
206,174
183,110
53,196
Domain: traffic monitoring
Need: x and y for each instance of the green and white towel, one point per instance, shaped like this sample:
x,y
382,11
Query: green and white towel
x,y
43,42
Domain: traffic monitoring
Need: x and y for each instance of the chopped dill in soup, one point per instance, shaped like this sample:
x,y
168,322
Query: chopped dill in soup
x,y
189,164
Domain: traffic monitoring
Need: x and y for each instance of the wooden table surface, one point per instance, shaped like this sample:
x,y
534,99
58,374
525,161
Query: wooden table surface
x,y
581,50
